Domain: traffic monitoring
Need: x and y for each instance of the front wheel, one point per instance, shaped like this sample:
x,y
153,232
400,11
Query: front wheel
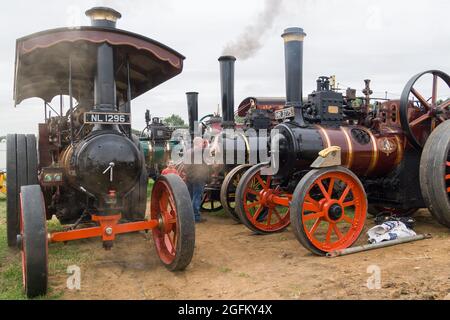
x,y
174,237
228,190
328,209
33,241
254,206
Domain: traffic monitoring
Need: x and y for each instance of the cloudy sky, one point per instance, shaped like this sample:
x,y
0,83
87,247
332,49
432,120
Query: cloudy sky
x,y
384,40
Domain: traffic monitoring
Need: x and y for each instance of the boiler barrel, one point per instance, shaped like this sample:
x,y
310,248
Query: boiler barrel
x,y
362,152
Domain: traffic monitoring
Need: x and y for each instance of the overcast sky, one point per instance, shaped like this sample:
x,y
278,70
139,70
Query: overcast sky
x,y
386,41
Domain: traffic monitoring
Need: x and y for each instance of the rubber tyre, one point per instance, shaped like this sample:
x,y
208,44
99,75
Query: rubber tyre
x,y
298,198
432,166
185,243
34,241
22,169
225,190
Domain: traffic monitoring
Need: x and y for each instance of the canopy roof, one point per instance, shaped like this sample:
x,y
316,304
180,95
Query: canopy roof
x,y
42,63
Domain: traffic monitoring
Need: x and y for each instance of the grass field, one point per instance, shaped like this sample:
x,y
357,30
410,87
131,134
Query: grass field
x,y
60,257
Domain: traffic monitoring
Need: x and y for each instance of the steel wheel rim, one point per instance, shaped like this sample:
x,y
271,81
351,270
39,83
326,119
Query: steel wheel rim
x,y
163,209
430,113
22,249
447,176
254,190
232,187
340,191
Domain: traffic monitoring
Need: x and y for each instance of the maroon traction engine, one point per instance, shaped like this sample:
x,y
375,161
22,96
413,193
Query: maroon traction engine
x,y
335,160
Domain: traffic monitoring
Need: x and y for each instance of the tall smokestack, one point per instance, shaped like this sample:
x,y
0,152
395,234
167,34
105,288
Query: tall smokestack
x,y
104,85
293,53
192,103
227,90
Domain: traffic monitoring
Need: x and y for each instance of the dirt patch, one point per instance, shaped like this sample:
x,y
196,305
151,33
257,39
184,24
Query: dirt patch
x,y
232,263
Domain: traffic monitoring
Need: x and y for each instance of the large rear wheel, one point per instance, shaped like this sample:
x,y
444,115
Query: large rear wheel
x,y
33,241
328,209
175,236
21,169
435,173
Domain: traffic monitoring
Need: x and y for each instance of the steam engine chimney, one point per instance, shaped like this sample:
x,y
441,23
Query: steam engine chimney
x,y
293,53
227,90
192,103
104,85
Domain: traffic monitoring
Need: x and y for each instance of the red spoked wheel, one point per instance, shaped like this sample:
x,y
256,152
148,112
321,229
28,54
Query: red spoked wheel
x,y
421,111
175,235
261,206
328,209
33,241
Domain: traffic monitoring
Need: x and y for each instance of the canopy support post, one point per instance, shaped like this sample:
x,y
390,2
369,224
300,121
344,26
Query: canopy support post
x,y
70,100
60,105
128,104
45,111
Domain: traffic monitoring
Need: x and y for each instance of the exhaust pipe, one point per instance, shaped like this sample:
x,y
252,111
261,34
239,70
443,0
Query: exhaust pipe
x,y
192,103
104,85
293,54
227,90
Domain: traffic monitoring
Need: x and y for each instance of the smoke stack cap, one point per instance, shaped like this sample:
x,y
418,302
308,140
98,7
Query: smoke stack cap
x,y
227,58
293,34
103,17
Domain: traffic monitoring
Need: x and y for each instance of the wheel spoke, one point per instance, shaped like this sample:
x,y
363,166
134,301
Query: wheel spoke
x,y
312,216
420,119
253,204
269,217
277,214
337,231
315,226
344,194
331,186
347,219
261,181
308,206
257,213
422,100
252,191
313,202
322,188
434,94
328,236
348,203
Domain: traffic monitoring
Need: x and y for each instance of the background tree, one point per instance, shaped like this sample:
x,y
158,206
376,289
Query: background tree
x,y
174,121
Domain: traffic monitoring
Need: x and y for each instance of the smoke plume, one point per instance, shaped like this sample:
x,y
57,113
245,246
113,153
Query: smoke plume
x,y
250,40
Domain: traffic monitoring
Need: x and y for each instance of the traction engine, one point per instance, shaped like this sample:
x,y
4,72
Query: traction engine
x,y
332,160
90,170
233,145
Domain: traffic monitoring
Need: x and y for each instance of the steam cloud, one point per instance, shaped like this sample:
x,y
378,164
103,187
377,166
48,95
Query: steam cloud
x,y
250,41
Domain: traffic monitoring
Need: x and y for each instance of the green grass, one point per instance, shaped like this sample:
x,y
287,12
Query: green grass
x,y
60,257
